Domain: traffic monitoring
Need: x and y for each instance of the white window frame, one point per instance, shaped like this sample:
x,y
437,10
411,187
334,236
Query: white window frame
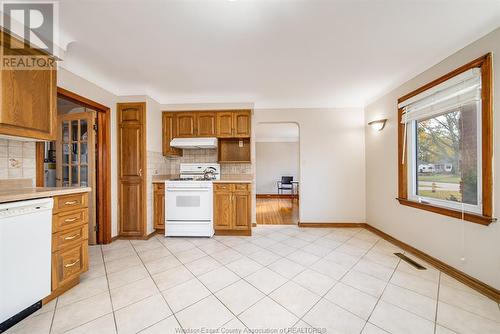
x,y
412,170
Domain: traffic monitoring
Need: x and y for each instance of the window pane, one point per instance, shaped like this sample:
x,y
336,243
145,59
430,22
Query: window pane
x,y
447,156
83,130
74,130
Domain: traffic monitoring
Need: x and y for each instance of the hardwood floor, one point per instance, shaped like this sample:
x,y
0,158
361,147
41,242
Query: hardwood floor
x,y
277,211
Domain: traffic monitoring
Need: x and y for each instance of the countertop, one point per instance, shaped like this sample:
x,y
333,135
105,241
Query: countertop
x,y
228,178
21,194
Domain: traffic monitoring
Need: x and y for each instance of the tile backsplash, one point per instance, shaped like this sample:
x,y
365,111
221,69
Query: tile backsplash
x,y
17,159
206,155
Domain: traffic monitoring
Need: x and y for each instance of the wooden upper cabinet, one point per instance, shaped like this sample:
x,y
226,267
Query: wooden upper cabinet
x,y
28,102
225,124
169,133
185,124
206,124
234,124
242,124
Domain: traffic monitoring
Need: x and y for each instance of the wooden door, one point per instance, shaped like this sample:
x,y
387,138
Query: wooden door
x,y
169,133
185,123
242,124
241,208
132,169
76,158
225,124
28,100
222,209
206,124
159,206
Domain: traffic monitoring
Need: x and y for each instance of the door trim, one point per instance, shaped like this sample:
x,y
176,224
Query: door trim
x,y
103,165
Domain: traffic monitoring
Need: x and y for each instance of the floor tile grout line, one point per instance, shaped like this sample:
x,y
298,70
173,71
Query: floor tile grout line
x,y
87,322
437,304
53,315
160,292
337,282
381,294
242,278
109,290
280,257
211,293
466,310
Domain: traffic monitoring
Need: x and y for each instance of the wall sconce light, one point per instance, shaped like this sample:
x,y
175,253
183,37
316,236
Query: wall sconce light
x,y
378,124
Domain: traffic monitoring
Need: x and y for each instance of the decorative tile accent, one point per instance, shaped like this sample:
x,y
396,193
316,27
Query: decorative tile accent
x,y
17,159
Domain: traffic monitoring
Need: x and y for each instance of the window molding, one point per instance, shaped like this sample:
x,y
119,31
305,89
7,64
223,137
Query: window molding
x,y
485,64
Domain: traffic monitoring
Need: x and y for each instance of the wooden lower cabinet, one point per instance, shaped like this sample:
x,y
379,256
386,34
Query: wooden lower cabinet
x,y
69,242
232,209
159,206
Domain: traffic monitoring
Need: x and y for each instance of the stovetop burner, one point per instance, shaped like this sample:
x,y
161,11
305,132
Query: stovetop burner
x,y
190,179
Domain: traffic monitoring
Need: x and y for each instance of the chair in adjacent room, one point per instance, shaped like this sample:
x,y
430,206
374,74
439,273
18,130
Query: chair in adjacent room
x,y
285,184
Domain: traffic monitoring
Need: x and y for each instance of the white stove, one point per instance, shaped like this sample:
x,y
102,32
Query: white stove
x,y
189,201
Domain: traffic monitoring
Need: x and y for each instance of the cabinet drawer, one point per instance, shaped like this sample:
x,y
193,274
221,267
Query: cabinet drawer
x,y
70,202
69,220
69,238
69,263
241,187
222,186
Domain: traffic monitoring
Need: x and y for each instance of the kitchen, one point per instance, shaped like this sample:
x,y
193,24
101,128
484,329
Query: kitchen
x,y
129,168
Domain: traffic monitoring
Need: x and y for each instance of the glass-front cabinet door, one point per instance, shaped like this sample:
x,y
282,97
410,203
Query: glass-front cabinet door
x,y
75,157
75,143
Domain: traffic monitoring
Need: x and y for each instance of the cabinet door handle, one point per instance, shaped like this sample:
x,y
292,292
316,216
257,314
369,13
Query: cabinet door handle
x,y
72,237
69,220
71,264
140,172
70,203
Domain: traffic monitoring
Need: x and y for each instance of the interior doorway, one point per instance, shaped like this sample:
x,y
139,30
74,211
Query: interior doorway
x,y
277,152
80,157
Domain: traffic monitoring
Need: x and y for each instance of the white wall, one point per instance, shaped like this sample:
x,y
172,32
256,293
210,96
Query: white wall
x,y
80,86
332,175
274,160
443,237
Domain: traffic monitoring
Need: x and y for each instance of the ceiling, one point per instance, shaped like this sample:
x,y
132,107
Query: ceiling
x,y
275,53
277,132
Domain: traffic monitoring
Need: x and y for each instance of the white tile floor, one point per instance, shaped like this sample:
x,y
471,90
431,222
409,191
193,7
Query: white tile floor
x,y
343,280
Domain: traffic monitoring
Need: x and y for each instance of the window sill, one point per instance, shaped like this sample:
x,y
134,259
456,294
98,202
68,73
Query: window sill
x,y
471,217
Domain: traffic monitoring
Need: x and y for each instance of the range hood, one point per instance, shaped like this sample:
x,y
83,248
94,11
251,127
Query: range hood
x,y
194,143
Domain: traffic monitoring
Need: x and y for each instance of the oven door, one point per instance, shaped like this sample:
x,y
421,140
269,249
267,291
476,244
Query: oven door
x,y
188,204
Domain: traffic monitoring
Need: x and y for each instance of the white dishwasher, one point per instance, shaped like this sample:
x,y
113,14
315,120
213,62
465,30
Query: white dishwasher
x,y
25,253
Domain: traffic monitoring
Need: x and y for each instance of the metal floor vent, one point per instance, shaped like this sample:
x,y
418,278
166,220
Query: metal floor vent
x,y
410,261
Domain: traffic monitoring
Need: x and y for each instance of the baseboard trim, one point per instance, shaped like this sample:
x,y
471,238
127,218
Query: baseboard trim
x,y
243,233
291,196
144,237
460,276
62,289
330,225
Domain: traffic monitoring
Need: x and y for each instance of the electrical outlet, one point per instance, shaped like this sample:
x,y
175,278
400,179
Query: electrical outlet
x,y
240,143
